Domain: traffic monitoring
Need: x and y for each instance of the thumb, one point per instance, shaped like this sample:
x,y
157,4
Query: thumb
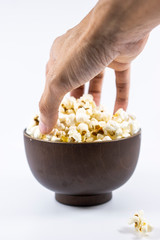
x,y
48,106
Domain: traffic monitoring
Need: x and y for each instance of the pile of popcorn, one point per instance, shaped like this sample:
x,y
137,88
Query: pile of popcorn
x,y
140,223
80,120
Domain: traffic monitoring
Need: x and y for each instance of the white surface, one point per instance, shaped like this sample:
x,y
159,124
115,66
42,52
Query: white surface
x,y
27,210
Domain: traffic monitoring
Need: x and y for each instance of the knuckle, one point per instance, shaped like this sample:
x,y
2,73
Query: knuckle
x,y
94,91
43,107
122,86
122,100
123,90
120,67
56,40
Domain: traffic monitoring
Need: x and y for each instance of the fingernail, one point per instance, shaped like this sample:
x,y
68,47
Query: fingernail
x,y
43,128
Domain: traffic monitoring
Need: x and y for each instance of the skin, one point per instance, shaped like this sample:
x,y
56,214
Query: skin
x,y
112,35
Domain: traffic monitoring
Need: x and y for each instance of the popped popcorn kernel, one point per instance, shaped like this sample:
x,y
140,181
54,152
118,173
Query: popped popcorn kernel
x,y
82,128
140,223
82,116
80,120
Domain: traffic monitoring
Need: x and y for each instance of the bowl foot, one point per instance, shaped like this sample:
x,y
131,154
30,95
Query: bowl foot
x,y
83,200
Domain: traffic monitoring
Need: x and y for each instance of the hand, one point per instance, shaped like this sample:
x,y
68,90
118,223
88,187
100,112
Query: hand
x,y
81,55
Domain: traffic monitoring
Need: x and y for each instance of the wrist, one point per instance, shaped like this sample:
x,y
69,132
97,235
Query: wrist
x,y
123,18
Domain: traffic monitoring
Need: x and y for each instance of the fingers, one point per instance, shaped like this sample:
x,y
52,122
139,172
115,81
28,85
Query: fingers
x,y
95,87
78,92
122,85
49,103
48,106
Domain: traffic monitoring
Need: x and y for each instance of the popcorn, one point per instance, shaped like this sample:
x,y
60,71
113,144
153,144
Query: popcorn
x,y
119,132
111,127
102,124
36,132
98,140
74,135
55,139
140,223
87,98
93,123
60,134
71,119
125,134
34,122
60,125
91,139
100,136
80,120
100,115
67,120
133,117
121,115
81,115
134,127
67,105
83,128
107,138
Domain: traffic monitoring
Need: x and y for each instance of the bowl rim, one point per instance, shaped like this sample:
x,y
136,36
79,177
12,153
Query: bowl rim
x,y
81,143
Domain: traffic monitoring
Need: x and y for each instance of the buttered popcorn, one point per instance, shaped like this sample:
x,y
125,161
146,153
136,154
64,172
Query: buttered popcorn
x,y
140,223
80,120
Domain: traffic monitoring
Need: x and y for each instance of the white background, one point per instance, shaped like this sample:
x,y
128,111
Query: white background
x,y
27,210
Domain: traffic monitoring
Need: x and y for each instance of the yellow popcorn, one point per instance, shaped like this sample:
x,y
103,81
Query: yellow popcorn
x,y
140,224
82,116
82,128
100,136
55,139
80,120
106,138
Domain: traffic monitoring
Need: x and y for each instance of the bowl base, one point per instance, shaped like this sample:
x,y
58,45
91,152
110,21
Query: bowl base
x,y
83,200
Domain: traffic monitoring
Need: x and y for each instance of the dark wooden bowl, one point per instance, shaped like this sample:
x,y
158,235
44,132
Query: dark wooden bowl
x,y
83,174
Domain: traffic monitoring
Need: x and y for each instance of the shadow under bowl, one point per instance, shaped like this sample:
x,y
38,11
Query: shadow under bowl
x,y
83,174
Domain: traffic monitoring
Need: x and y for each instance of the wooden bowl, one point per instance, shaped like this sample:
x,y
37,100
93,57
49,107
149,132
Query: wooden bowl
x,y
83,174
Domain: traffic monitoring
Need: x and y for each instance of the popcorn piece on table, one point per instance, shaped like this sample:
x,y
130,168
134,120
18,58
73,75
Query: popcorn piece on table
x,y
140,223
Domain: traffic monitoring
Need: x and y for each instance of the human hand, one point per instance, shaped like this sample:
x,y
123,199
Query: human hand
x,y
81,55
